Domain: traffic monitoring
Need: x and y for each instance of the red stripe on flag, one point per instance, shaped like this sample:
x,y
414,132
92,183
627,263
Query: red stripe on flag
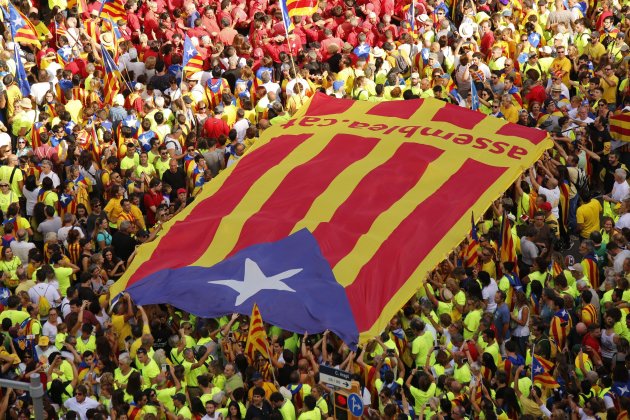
x,y
393,109
323,106
290,202
458,116
534,136
257,330
427,224
374,196
621,117
210,211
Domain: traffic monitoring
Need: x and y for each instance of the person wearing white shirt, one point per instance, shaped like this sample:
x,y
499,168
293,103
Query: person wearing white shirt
x,y
490,289
81,403
550,191
241,125
47,172
44,290
21,246
621,189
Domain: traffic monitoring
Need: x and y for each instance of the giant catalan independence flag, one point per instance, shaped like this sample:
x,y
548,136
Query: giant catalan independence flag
x,y
333,219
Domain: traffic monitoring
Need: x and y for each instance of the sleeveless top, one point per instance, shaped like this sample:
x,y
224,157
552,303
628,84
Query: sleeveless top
x,y
521,330
608,347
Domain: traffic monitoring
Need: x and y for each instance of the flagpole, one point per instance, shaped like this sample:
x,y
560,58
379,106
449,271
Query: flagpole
x,y
273,368
286,31
413,17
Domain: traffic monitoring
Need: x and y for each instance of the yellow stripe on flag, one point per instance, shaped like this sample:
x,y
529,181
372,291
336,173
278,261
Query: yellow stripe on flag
x,y
228,232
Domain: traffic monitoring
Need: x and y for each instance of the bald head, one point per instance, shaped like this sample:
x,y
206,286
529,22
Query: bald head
x,y
581,328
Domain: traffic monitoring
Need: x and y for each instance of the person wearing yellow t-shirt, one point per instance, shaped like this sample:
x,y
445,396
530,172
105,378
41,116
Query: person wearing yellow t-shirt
x,y
130,161
587,216
194,368
311,412
422,394
508,109
148,367
285,407
16,316
492,347
7,196
422,344
472,319
123,371
123,312
609,82
114,208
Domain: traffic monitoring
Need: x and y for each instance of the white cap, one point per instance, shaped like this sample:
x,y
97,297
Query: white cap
x,y
5,140
119,100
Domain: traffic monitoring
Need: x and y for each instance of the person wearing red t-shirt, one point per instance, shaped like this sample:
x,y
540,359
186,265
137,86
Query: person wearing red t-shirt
x,y
133,21
209,21
151,22
537,91
215,126
153,199
487,38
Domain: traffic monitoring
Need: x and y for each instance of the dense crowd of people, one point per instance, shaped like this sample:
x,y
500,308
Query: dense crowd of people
x,y
91,169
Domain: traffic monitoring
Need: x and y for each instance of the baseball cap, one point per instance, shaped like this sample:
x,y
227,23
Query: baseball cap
x,y
415,75
545,206
181,191
256,376
44,340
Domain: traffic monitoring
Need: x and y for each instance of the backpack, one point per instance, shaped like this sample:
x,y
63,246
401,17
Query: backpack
x,y
98,188
581,183
357,96
43,304
401,64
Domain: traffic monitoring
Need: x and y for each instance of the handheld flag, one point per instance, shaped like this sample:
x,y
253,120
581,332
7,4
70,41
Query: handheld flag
x,y
507,251
257,337
111,81
411,16
620,126
470,254
534,39
541,371
340,230
291,8
192,61
81,6
20,73
474,96
113,9
22,29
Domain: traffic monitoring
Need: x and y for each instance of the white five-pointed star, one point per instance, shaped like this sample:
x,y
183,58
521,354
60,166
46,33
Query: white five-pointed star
x,y
623,390
17,21
538,369
255,281
190,52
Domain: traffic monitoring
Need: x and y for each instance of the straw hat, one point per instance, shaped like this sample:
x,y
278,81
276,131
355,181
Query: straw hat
x,y
378,52
107,39
26,103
